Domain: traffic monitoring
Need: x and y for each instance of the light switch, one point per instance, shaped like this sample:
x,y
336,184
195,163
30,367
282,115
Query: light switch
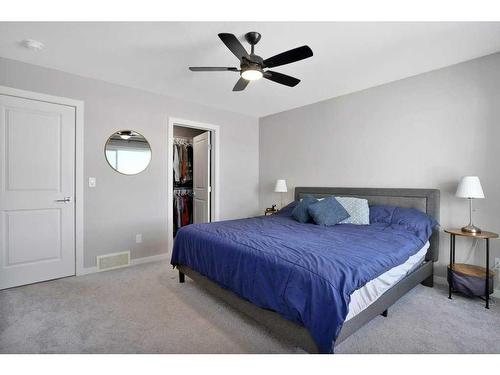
x,y
92,182
138,238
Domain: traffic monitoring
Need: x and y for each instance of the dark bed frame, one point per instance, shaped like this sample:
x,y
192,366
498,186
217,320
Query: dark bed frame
x,y
425,200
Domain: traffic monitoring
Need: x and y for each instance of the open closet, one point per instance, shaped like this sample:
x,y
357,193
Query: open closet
x,y
191,176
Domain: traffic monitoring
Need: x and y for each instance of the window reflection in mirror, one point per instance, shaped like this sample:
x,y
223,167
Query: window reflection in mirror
x,y
128,152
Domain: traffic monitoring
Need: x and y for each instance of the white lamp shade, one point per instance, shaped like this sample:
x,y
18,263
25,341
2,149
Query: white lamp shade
x,y
470,187
280,186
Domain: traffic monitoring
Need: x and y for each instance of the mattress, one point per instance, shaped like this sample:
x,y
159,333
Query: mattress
x,y
372,290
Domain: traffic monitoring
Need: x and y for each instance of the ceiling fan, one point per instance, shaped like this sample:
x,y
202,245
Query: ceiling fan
x,y
252,66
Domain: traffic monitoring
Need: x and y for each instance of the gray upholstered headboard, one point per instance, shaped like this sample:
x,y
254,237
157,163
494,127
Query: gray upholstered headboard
x,y
425,200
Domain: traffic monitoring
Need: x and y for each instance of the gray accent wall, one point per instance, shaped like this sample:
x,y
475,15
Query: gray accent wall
x,y
122,206
421,132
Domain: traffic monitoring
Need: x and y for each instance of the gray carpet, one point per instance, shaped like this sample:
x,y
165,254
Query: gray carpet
x,y
143,309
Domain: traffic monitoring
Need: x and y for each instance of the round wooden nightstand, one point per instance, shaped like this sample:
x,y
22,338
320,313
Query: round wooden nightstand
x,y
469,270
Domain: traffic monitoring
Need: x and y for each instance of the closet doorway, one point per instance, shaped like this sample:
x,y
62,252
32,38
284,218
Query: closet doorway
x,y
193,174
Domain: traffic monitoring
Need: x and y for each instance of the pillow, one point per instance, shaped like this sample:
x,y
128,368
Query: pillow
x,y
381,214
300,213
327,212
410,219
288,209
358,210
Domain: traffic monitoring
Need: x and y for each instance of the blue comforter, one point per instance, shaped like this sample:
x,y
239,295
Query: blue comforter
x,y
305,272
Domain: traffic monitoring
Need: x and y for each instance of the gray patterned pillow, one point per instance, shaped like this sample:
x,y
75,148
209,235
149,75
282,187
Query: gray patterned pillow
x,y
358,210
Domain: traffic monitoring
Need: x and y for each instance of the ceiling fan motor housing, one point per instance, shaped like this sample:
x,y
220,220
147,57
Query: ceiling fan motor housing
x,y
254,63
252,37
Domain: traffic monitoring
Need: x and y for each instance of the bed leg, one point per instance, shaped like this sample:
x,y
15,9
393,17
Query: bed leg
x,y
181,277
385,313
429,282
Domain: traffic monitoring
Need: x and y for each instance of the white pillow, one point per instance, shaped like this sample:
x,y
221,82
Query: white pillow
x,y
357,208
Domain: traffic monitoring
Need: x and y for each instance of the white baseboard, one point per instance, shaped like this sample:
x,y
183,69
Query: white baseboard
x,y
133,262
86,271
152,258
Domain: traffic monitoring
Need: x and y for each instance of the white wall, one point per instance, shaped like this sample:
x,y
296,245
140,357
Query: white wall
x,y
121,206
422,132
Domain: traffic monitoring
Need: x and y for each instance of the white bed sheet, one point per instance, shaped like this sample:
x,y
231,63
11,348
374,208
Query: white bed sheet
x,y
366,295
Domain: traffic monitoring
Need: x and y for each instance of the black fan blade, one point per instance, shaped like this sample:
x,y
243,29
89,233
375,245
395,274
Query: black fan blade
x,y
211,69
296,54
241,84
234,45
281,78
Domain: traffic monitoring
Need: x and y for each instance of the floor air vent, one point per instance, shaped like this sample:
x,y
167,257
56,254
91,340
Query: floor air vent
x,y
112,261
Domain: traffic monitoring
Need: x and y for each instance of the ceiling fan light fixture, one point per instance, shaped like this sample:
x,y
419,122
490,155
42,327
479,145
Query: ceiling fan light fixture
x,y
251,74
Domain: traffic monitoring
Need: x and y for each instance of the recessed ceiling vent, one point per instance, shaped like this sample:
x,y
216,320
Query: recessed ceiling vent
x,y
113,261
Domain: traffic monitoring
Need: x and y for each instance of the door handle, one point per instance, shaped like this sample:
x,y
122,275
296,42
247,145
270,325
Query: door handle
x,y
64,200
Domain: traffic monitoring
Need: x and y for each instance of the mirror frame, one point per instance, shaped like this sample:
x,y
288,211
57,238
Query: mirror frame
x,y
116,170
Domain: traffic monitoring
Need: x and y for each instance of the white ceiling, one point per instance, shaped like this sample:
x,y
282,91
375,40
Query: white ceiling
x,y
155,56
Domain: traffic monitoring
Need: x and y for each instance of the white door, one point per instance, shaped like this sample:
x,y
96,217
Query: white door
x,y
37,174
201,178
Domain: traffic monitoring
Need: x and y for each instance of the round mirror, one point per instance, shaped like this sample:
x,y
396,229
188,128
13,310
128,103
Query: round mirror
x,y
128,152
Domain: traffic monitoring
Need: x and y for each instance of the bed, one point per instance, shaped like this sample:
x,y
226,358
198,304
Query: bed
x,y
285,274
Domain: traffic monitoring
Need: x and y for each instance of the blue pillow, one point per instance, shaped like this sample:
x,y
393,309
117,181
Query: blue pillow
x,y
410,219
327,212
381,214
288,209
300,213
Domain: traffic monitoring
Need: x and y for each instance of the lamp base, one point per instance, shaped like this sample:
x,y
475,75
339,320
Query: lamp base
x,y
471,229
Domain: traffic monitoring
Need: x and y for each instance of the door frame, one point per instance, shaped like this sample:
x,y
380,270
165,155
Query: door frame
x,y
79,106
214,173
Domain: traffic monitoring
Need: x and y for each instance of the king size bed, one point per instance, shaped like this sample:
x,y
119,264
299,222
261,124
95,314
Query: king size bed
x,y
315,285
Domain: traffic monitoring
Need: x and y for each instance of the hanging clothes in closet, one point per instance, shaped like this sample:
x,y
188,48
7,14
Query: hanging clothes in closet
x,y
183,183
183,162
183,208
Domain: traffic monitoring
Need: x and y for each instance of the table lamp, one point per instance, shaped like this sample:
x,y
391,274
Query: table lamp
x,y
470,188
280,187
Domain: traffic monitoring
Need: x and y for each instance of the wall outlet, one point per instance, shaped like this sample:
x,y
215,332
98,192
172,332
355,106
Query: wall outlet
x,y
92,182
138,238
